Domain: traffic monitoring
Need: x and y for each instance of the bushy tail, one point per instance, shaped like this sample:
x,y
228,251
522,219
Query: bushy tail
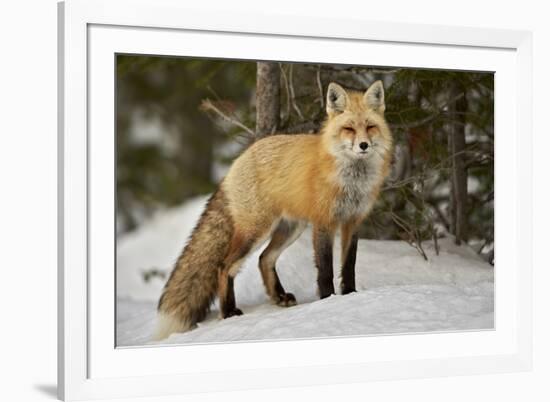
x,y
192,286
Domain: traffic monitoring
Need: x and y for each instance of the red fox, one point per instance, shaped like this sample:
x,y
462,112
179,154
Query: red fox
x,y
272,191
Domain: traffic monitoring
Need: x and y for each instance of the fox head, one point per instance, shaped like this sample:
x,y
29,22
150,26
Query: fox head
x,y
355,127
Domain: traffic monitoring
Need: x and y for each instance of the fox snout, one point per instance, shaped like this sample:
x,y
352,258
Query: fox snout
x,y
361,146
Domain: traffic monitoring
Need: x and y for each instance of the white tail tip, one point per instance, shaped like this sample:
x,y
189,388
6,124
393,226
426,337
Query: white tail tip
x,y
168,324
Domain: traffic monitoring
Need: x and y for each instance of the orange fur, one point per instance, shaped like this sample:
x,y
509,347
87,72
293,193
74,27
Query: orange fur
x,y
296,176
330,179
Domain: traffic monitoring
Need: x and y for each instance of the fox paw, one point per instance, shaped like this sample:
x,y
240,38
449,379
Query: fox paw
x,y
346,291
234,312
286,300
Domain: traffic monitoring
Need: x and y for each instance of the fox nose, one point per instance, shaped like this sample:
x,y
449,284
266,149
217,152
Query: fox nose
x,y
363,146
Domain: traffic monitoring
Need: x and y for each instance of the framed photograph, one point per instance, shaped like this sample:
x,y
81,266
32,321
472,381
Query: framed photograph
x,y
255,201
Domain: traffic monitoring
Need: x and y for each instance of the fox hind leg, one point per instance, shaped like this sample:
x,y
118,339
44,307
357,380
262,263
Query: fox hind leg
x,y
228,306
283,236
239,248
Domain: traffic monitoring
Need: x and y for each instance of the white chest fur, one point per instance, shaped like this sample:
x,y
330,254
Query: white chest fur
x,y
357,178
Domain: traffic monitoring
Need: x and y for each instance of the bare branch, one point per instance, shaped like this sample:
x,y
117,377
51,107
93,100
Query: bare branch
x,y
440,214
287,90
320,86
414,239
208,106
292,93
436,242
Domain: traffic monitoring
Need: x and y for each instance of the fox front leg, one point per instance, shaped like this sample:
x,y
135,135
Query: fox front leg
x,y
322,245
349,254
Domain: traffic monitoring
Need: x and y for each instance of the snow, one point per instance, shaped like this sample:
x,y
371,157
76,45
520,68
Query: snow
x,y
398,291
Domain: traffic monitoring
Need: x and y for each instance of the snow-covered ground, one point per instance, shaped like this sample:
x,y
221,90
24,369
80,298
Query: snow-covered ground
x,y
398,292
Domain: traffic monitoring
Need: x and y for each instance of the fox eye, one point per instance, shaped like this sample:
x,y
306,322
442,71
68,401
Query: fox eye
x,y
370,126
350,129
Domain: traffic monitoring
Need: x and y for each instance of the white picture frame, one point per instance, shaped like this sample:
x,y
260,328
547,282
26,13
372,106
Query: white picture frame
x,y
90,32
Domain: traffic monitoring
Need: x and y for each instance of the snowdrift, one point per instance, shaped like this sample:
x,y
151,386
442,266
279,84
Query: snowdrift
x,y
398,291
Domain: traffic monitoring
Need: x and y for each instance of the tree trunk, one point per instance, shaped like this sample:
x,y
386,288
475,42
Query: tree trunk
x,y
459,174
268,95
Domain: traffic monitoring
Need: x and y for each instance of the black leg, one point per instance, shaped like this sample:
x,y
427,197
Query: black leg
x,y
348,267
238,250
322,244
227,300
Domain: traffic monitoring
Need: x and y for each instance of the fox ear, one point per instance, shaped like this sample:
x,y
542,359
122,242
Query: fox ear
x,y
374,97
337,99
